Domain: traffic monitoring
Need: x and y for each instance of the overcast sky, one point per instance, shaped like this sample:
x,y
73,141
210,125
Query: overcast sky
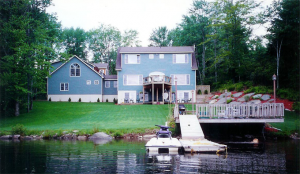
x,y
140,15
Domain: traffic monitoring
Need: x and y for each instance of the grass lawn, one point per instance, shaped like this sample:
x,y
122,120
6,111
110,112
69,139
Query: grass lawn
x,y
291,122
69,116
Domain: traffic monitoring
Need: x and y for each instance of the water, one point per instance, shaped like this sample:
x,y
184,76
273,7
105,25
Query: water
x,y
50,156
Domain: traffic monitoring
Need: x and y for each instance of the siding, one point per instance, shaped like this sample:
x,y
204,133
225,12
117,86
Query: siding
x,y
111,90
77,85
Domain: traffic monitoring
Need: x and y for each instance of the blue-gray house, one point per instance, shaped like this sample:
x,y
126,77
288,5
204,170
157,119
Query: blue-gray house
x,y
77,79
148,74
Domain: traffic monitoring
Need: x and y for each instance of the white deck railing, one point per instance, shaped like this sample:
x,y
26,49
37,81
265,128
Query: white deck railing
x,y
265,110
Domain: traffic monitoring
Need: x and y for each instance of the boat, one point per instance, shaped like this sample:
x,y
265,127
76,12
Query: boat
x,y
163,142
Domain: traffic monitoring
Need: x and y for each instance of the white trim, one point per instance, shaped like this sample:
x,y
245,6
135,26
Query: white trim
x,y
185,79
135,75
180,62
64,86
161,56
121,95
108,86
88,82
75,98
96,81
151,56
116,84
75,70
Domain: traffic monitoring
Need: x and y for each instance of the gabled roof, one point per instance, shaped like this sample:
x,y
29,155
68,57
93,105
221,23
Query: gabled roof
x,y
101,65
87,64
110,77
184,49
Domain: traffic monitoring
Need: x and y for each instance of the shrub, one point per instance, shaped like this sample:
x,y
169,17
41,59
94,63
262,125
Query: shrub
x,y
239,87
50,99
229,100
116,101
79,100
69,99
199,92
296,107
98,100
248,84
247,98
107,100
18,129
117,134
249,90
288,94
205,91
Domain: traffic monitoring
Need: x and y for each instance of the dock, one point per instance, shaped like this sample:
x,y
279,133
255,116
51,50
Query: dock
x,y
193,137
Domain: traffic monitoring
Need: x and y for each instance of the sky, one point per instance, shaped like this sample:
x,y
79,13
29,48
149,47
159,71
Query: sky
x,y
140,15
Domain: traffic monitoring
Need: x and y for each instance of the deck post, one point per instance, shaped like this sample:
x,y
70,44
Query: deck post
x,y
143,94
163,92
153,93
157,95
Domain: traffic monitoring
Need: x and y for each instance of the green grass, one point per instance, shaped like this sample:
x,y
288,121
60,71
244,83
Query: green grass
x,y
88,116
291,122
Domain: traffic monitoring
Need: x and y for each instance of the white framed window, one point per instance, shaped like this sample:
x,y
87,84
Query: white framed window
x,y
161,56
107,84
132,59
151,56
96,82
182,79
132,79
180,58
64,86
88,82
115,84
75,70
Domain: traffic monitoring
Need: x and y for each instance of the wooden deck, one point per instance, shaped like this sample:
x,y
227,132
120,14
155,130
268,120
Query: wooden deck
x,y
236,113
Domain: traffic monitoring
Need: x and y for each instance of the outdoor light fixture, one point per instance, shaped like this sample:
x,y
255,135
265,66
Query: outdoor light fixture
x,y
274,88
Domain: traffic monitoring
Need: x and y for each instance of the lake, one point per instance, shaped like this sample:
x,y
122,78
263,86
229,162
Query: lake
x,y
123,156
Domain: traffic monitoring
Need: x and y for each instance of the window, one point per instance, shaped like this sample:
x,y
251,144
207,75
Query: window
x,y
161,56
151,56
180,58
107,84
64,86
115,84
133,79
132,59
182,79
96,82
75,70
88,82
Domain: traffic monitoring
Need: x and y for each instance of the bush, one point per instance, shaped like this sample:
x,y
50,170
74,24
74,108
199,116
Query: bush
x,y
206,92
199,92
239,87
69,100
249,90
107,100
247,98
228,101
296,107
288,94
79,100
117,134
248,84
116,101
50,99
98,100
18,129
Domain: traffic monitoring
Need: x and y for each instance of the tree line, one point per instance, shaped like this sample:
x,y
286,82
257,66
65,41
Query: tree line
x,y
228,52
226,49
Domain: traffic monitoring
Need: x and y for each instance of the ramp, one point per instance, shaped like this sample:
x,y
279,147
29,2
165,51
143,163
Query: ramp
x,y
190,127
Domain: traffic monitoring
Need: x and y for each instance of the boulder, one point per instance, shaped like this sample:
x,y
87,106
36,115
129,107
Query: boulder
x,y
100,135
235,103
237,94
265,97
242,99
250,94
149,136
254,102
82,138
213,101
6,137
257,96
27,138
16,136
216,96
223,100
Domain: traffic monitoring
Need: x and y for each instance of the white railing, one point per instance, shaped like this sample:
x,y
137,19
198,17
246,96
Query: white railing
x,y
265,110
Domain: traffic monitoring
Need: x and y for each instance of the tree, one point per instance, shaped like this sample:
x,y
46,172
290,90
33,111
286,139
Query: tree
x,y
26,37
74,42
159,37
130,39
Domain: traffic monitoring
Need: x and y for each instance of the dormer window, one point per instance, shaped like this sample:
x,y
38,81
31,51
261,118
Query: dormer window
x,y
75,70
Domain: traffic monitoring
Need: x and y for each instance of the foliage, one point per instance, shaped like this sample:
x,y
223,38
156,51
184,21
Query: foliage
x,y
98,100
69,99
107,100
228,101
205,91
27,36
18,129
296,107
199,92
117,134
249,90
159,37
247,98
79,100
287,93
50,99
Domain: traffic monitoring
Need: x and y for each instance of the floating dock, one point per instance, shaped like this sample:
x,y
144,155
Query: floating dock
x,y
193,137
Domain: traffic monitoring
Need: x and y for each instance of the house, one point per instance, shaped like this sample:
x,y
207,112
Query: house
x,y
77,80
148,74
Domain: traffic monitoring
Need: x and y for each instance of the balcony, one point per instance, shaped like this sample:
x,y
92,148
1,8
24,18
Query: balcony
x,y
157,79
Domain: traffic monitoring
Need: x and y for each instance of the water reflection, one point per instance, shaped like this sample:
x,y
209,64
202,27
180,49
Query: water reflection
x,y
130,157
